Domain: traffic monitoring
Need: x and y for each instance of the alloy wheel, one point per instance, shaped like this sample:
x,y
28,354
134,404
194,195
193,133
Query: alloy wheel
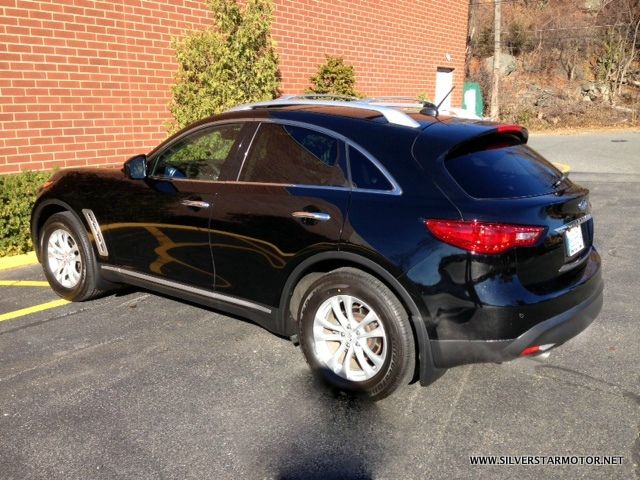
x,y
63,258
349,338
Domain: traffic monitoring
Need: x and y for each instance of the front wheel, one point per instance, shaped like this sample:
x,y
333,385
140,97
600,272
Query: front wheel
x,y
355,334
68,259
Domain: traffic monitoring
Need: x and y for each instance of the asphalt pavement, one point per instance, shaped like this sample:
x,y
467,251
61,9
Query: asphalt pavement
x,y
136,385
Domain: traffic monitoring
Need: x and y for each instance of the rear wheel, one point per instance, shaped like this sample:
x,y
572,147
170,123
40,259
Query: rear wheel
x,y
68,259
355,334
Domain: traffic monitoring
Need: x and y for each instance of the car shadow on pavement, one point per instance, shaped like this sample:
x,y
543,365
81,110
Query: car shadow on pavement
x,y
344,439
330,436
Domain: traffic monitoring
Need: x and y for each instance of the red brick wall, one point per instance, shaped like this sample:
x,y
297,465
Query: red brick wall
x,y
394,45
86,82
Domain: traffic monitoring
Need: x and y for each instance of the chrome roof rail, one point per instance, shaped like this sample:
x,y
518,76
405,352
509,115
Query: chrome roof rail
x,y
392,115
397,102
319,96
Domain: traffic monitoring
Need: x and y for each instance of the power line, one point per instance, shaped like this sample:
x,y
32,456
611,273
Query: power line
x,y
585,27
583,38
491,2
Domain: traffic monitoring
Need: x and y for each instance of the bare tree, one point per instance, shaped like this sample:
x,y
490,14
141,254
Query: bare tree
x,y
619,43
495,81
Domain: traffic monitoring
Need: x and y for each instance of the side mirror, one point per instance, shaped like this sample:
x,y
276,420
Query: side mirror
x,y
136,167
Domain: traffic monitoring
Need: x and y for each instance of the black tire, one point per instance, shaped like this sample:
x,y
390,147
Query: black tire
x,y
399,355
87,287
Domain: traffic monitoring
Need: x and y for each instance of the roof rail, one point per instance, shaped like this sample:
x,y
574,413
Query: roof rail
x,y
398,102
425,106
396,117
319,96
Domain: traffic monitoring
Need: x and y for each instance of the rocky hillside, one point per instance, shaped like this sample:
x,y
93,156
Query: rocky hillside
x,y
564,63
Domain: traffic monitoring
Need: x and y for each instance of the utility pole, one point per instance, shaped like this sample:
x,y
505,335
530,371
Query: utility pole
x,y
495,78
470,36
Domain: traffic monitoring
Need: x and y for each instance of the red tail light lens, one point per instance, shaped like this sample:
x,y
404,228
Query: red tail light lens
x,y
530,351
536,349
482,237
512,129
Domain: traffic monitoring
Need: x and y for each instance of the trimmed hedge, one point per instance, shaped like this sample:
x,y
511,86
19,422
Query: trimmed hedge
x,y
17,195
334,77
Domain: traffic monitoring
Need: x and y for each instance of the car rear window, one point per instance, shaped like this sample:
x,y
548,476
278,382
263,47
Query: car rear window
x,y
516,171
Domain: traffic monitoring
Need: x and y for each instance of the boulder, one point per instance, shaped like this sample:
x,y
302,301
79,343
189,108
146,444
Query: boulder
x,y
595,90
508,64
592,5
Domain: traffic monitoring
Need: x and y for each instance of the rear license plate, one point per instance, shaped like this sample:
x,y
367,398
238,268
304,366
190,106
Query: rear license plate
x,y
573,240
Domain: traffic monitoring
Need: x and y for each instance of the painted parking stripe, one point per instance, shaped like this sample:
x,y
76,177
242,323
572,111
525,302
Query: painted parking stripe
x,y
23,283
34,309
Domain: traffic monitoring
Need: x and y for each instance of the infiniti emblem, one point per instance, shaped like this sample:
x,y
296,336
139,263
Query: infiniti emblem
x,y
583,204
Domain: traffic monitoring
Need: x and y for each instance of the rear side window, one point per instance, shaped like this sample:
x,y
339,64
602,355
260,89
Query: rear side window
x,y
293,155
364,174
516,171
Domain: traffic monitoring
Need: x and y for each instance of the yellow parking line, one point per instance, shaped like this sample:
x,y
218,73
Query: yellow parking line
x,y
563,167
34,309
23,283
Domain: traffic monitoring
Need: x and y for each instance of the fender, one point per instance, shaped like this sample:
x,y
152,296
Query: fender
x,y
35,218
427,370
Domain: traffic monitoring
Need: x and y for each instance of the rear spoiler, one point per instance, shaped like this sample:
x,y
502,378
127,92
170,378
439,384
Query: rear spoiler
x,y
513,129
499,136
454,137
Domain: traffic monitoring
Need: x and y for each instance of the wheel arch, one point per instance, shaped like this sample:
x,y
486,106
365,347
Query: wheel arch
x,y
42,212
313,267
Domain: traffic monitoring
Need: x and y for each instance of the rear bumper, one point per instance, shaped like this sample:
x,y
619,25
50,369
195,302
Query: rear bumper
x,y
555,330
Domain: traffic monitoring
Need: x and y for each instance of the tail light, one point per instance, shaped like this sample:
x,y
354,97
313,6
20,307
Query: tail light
x,y
536,349
482,237
511,129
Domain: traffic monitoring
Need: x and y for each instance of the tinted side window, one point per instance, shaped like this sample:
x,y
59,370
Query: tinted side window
x,y
199,156
364,174
293,155
503,173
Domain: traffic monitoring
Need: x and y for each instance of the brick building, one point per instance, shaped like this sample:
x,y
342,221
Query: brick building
x,y
86,82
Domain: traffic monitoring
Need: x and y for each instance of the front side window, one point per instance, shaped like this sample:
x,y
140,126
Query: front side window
x,y
286,154
199,156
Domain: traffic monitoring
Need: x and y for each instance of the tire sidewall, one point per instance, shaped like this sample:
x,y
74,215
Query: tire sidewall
x,y
395,361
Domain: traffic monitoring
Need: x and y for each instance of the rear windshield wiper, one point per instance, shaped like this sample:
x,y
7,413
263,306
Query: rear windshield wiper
x,y
558,182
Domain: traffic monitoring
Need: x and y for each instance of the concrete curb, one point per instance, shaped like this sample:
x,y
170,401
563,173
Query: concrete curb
x,y
15,261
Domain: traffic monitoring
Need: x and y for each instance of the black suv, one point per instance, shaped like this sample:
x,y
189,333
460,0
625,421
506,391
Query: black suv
x,y
392,244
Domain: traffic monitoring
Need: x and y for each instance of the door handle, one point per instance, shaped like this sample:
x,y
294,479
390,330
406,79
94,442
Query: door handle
x,y
195,203
317,216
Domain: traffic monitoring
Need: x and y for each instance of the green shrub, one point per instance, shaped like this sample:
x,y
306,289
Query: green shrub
x,y
220,68
424,97
334,77
17,195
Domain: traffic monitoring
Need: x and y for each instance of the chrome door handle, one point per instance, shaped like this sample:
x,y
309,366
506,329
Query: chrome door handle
x,y
195,203
318,216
